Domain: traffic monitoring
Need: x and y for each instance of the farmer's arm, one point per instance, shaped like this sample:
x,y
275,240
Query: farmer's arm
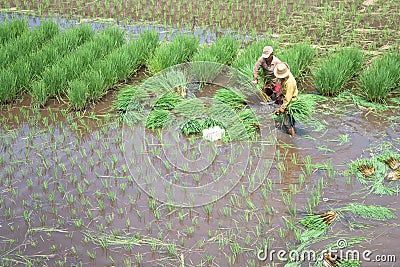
x,y
257,67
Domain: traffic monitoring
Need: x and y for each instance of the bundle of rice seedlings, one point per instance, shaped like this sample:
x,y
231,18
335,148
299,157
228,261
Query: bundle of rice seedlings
x,y
250,122
11,30
369,211
393,175
190,108
168,101
299,57
193,126
303,107
210,123
364,169
230,98
381,78
390,159
158,119
319,221
333,73
330,260
180,50
125,98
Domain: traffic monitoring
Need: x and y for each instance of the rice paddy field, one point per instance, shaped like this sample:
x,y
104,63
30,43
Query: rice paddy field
x,y
103,105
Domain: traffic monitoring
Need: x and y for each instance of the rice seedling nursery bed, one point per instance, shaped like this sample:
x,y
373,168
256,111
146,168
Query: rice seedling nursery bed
x,y
70,193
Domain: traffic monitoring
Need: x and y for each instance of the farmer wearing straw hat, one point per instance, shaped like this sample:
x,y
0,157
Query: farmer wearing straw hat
x,y
289,93
268,62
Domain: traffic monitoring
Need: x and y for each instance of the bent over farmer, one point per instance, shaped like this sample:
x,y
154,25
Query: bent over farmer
x,y
288,94
268,62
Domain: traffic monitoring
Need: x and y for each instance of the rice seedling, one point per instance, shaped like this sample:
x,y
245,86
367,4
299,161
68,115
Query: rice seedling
x,y
393,175
180,50
193,126
168,101
369,211
230,98
333,73
190,108
158,119
381,77
11,30
298,57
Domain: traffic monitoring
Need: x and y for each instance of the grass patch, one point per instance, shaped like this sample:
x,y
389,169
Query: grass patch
x,y
299,57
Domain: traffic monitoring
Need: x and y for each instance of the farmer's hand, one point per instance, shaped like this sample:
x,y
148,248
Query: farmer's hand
x,y
255,81
279,111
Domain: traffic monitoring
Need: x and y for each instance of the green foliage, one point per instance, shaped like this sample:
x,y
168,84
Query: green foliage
x,y
31,66
168,101
29,42
302,108
77,93
193,126
332,74
382,76
55,79
158,119
230,98
124,98
249,121
299,58
369,211
180,50
11,30
190,107
223,50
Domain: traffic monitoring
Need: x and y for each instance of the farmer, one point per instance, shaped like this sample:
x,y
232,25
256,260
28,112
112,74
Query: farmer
x,y
268,62
288,94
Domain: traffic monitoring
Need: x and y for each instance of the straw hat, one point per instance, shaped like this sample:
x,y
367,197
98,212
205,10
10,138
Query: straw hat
x,y
281,70
267,51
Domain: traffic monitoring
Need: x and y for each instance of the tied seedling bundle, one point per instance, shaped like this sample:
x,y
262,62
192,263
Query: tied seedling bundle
x,y
230,98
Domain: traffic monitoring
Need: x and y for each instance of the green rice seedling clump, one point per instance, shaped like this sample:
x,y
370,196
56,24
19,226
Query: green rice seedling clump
x,y
250,122
192,127
298,57
124,98
158,119
381,77
303,107
11,30
29,42
210,122
230,98
168,101
391,159
180,50
332,74
369,211
190,107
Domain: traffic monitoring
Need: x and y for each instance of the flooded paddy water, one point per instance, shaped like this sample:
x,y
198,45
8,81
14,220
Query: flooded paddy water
x,y
69,196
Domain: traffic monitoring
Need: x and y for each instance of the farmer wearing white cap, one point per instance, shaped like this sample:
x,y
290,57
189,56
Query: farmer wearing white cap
x,y
268,62
289,93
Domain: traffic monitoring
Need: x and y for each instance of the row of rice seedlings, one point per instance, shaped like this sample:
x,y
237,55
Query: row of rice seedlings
x,y
224,50
11,30
29,42
299,58
332,74
118,65
381,77
180,50
16,78
56,78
